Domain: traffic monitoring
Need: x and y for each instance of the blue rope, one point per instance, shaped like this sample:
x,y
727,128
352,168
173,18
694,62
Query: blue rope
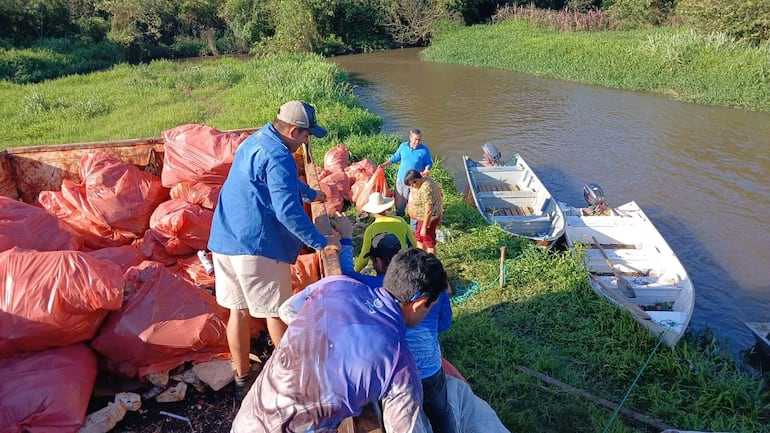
x,y
461,294
669,324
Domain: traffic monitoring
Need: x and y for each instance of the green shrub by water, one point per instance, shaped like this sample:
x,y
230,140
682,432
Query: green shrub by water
x,y
678,63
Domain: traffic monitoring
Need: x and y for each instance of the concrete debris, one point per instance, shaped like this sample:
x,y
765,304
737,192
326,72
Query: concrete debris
x,y
189,377
105,419
158,379
216,374
175,393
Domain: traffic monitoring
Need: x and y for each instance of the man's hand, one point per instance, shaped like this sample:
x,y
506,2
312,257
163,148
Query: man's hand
x,y
320,196
342,224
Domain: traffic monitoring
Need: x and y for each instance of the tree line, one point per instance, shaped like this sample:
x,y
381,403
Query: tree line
x,y
83,35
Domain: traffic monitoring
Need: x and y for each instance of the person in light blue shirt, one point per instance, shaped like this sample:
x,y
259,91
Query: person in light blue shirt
x,y
258,229
421,339
410,155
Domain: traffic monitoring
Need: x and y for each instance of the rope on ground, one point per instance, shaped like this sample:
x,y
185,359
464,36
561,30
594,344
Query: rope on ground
x,y
461,294
668,324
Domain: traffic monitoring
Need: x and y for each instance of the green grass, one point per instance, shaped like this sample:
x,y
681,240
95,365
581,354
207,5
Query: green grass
x,y
141,101
545,317
678,63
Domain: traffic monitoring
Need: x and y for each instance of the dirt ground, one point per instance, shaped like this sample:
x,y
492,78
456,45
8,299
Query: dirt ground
x,y
208,411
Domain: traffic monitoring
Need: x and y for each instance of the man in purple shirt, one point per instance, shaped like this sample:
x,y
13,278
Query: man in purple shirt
x,y
345,349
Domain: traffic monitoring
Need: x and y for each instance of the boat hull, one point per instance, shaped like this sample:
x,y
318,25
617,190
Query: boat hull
x,y
513,197
761,331
665,296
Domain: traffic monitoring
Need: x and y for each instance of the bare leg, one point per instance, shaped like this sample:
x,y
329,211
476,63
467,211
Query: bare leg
x,y
430,250
238,340
276,328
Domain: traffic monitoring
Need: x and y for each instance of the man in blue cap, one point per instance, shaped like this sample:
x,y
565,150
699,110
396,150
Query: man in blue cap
x,y
258,229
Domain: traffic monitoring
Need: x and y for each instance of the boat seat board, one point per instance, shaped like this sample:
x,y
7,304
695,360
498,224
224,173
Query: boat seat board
x,y
506,194
491,187
509,211
503,168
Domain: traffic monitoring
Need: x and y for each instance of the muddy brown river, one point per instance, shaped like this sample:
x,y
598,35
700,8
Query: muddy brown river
x,y
699,172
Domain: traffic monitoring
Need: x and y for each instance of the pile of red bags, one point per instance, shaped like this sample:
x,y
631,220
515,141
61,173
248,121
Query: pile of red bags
x,y
107,270
353,183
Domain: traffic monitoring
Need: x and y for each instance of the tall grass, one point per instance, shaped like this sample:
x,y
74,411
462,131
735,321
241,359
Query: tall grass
x,y
564,19
678,63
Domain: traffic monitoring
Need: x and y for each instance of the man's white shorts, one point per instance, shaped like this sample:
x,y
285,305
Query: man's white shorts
x,y
256,283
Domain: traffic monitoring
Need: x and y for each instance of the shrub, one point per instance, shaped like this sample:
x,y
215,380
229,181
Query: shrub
x,y
634,14
747,20
190,47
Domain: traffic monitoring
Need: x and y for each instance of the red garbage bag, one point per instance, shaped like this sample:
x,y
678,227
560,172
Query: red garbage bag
x,y
199,193
54,298
31,227
198,153
337,158
336,186
305,271
192,270
153,246
185,226
124,256
47,391
165,321
114,201
376,183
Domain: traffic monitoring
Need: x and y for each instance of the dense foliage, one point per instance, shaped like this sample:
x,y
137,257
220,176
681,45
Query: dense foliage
x,y
42,39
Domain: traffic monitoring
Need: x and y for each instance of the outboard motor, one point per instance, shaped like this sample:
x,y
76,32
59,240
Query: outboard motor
x,y
491,155
594,196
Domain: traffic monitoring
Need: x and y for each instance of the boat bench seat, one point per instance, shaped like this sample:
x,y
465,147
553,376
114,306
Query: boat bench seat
x,y
529,219
492,169
506,194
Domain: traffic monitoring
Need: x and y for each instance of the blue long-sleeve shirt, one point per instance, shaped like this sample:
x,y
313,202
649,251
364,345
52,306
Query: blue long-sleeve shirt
x,y
422,338
260,211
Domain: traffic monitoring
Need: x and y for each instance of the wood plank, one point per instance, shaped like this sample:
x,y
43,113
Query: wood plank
x,y
632,308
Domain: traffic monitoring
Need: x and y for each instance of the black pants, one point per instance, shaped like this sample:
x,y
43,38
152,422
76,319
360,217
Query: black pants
x,y
436,405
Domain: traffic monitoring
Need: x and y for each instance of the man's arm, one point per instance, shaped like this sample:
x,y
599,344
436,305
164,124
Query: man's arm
x,y
282,184
309,194
445,312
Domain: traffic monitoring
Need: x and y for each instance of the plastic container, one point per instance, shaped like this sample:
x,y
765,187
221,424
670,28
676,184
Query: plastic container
x,y
206,262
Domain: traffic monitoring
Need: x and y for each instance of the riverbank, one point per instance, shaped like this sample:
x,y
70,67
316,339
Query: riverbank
x,y
677,63
544,317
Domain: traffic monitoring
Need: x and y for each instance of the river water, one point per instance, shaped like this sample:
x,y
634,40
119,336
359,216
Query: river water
x,y
699,172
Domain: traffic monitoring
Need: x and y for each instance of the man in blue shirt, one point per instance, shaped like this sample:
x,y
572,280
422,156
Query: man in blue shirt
x,y
412,155
258,228
346,348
